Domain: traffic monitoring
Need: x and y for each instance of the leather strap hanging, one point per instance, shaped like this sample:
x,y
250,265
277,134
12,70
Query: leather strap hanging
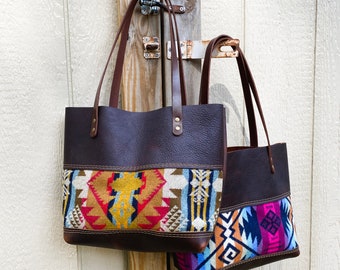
x,y
247,80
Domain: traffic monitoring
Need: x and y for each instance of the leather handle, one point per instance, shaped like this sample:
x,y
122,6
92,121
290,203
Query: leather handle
x,y
114,96
247,78
177,77
126,21
205,79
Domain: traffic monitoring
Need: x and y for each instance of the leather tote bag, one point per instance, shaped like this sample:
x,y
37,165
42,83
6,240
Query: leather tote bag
x,y
255,225
143,181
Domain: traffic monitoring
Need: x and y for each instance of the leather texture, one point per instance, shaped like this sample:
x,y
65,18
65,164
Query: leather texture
x,y
249,179
139,241
129,141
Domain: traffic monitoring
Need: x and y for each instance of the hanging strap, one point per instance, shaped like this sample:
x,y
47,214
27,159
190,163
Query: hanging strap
x,y
177,77
205,79
114,96
247,80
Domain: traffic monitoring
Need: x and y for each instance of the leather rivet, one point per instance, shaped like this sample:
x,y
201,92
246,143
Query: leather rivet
x,y
177,119
178,128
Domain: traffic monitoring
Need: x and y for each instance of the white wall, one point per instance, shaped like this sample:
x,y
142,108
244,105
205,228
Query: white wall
x,y
33,91
51,54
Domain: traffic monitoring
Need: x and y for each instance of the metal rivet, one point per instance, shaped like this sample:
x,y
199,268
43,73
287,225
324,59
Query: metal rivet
x,y
94,129
94,120
178,128
177,119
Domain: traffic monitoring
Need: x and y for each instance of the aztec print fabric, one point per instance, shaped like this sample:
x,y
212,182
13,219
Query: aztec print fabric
x,y
165,200
244,234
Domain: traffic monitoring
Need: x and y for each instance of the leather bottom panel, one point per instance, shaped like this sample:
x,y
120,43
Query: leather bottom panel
x,y
265,259
139,241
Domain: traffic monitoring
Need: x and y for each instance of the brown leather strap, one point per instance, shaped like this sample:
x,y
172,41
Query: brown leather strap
x,y
178,86
114,96
180,60
204,94
247,77
177,77
126,20
118,71
259,107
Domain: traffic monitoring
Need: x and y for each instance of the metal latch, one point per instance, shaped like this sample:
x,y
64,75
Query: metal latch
x,y
149,7
152,7
152,48
195,49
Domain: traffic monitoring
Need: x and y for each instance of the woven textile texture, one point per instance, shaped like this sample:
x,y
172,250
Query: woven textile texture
x,y
244,234
171,200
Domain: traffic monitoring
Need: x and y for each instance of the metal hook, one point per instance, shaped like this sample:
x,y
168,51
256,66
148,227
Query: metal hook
x,y
149,7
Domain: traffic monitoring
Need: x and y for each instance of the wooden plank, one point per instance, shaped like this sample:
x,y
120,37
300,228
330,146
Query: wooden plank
x,y
146,261
141,82
141,91
33,93
92,26
280,49
189,25
326,143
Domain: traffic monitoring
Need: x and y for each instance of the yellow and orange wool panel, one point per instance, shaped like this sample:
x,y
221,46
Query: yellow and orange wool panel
x,y
170,200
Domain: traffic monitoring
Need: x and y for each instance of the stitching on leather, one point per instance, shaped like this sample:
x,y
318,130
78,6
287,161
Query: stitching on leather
x,y
153,233
141,167
277,254
255,202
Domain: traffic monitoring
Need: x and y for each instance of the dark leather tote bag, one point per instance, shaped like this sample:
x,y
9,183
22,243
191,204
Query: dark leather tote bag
x,y
255,225
143,181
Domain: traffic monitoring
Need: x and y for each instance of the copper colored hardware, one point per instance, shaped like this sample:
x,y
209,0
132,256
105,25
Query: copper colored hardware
x,y
151,48
195,49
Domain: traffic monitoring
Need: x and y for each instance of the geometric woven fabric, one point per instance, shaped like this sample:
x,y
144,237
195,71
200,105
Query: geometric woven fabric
x,y
245,233
170,200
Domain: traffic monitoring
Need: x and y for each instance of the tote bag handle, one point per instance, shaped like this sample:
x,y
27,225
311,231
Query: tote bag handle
x,y
177,77
247,78
204,94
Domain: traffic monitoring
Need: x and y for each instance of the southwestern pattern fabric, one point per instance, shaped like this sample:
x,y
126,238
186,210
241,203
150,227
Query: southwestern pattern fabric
x,y
243,234
168,200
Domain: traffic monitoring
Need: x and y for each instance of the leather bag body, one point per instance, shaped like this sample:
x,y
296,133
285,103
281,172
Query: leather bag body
x,y
143,181
255,224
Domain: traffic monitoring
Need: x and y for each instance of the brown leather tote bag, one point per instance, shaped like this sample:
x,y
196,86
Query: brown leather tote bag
x,y
255,225
143,181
